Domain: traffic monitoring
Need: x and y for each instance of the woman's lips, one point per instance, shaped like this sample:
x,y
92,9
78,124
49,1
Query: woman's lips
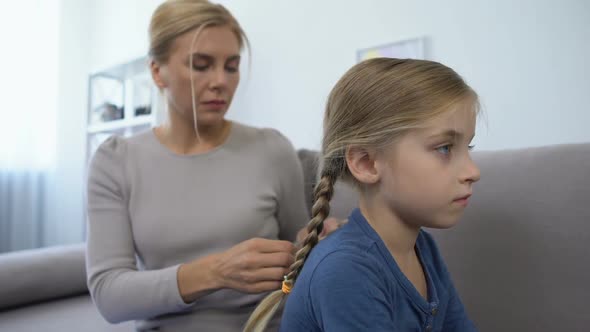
x,y
214,104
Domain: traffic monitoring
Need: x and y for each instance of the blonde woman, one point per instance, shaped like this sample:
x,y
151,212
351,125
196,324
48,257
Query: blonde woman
x,y
400,131
191,223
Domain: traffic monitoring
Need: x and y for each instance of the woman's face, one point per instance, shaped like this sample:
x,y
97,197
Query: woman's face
x,y
215,74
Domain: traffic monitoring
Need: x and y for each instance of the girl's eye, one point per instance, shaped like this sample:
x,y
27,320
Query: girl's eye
x,y
445,150
471,147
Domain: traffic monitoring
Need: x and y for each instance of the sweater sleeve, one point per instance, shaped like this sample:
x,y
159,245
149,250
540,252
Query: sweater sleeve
x,y
291,207
119,290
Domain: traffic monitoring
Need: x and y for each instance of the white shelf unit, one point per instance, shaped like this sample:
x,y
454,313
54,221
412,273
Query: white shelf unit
x,y
122,100
120,124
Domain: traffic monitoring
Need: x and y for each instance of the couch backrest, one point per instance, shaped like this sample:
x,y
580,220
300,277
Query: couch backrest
x,y
32,276
345,198
519,256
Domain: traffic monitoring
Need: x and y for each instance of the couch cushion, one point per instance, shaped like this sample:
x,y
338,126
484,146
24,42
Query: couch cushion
x,y
31,276
76,313
519,255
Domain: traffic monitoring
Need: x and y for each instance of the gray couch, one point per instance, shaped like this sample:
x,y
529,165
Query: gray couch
x,y
519,257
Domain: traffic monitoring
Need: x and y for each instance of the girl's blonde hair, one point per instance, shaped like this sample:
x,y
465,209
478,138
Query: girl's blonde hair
x,y
372,105
173,18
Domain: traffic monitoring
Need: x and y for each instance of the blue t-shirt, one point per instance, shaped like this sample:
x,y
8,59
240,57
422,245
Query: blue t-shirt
x,y
350,282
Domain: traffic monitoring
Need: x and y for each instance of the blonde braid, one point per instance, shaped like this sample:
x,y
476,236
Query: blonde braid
x,y
321,209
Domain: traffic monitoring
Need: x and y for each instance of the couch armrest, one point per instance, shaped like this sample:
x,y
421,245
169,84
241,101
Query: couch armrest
x,y
32,276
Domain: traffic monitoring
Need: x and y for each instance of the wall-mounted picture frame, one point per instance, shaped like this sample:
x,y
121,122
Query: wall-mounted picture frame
x,y
405,49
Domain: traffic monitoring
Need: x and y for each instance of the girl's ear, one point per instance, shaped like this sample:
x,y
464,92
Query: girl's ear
x,y
159,74
362,164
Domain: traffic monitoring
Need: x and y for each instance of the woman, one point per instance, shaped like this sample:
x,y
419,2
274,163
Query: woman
x,y
191,223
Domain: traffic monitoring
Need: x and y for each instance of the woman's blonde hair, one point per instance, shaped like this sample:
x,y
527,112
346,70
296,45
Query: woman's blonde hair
x,y
176,17
372,105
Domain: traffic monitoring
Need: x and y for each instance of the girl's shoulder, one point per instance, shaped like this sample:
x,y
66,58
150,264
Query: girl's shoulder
x,y
346,251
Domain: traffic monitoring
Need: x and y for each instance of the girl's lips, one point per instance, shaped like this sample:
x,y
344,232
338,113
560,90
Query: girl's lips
x,y
463,197
463,201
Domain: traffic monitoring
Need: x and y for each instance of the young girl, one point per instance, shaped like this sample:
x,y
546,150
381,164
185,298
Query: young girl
x,y
399,130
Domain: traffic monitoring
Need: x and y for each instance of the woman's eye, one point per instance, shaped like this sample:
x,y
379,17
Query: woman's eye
x,y
232,66
231,69
200,67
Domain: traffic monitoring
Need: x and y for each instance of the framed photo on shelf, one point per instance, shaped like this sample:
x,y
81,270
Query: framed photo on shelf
x,y
107,99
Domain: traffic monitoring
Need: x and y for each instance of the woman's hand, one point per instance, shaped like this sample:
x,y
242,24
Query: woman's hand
x,y
253,266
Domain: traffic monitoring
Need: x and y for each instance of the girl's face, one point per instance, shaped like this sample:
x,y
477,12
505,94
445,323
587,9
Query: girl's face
x,y
427,176
215,70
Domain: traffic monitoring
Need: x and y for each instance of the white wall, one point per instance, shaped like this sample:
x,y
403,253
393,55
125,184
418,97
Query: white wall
x,y
67,195
117,31
526,58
